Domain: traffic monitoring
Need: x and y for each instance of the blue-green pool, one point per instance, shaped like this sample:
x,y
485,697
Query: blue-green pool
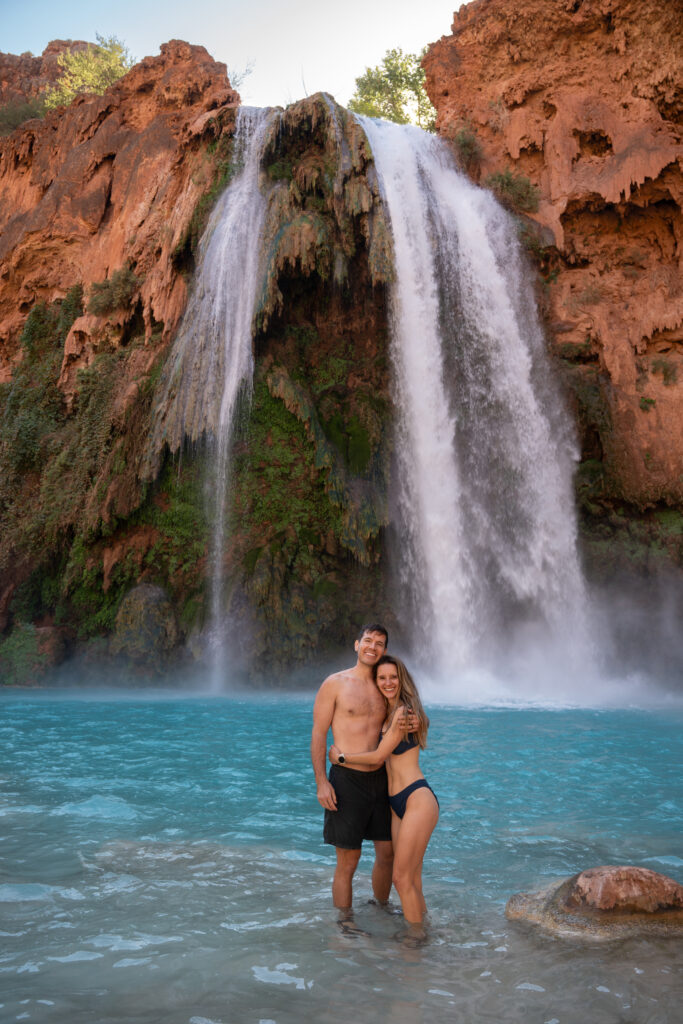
x,y
161,860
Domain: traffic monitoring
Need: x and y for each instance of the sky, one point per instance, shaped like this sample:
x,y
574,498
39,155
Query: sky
x,y
295,48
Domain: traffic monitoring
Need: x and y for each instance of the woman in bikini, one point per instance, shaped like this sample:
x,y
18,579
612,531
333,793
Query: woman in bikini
x,y
414,807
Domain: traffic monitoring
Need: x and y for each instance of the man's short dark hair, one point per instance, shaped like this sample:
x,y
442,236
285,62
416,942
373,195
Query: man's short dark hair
x,y
373,627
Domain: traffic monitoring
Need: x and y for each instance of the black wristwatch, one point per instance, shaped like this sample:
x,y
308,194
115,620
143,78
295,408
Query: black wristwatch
x,y
341,759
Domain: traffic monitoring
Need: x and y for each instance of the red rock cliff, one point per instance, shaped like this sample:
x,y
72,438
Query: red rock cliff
x,y
584,98
24,77
111,181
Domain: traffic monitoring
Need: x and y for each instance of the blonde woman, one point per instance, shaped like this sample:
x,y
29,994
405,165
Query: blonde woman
x,y
414,807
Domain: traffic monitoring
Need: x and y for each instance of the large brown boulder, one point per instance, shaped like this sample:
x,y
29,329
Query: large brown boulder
x,y
605,902
585,100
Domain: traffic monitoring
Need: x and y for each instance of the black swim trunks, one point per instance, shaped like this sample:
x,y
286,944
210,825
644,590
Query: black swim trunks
x,y
362,808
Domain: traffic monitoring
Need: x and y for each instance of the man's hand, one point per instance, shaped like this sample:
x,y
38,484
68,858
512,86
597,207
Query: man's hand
x,y
407,719
327,797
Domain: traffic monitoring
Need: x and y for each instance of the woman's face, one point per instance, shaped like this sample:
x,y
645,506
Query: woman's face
x,y
387,681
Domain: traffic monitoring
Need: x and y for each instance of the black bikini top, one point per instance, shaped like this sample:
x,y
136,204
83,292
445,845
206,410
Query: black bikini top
x,y
404,745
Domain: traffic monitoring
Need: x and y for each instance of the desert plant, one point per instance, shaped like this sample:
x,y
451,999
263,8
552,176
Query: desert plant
x,y
395,90
16,112
667,370
515,191
113,293
467,148
89,71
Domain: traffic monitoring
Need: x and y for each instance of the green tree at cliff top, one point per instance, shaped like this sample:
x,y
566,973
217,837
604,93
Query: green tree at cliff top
x,y
395,90
89,71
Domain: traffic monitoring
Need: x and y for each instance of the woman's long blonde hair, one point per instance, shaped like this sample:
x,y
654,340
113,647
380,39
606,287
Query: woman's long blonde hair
x,y
407,694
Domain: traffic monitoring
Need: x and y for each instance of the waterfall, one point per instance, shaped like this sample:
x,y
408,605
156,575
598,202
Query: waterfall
x,y
483,497
210,369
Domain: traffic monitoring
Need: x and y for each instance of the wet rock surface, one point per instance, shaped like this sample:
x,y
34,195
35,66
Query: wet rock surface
x,y
146,632
603,903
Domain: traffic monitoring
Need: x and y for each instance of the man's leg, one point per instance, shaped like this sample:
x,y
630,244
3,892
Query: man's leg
x,y
347,862
382,869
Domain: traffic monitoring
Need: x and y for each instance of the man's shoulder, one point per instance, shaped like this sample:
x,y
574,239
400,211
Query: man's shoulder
x,y
337,679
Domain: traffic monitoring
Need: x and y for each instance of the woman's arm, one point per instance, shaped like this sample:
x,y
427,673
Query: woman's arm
x,y
377,757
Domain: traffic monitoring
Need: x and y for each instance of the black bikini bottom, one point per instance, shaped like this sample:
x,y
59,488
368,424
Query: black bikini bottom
x,y
399,801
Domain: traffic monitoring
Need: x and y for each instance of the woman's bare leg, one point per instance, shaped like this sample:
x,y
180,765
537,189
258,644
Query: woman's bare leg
x,y
416,827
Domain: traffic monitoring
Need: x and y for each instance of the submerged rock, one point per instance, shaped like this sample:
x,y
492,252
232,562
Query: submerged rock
x,y
606,902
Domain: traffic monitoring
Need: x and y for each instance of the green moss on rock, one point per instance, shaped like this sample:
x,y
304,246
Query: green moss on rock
x,y
21,659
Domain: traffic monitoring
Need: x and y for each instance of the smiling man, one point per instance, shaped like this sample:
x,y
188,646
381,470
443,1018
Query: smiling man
x,y
355,799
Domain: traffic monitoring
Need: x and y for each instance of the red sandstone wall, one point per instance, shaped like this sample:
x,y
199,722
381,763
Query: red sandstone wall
x,y
108,181
23,76
585,98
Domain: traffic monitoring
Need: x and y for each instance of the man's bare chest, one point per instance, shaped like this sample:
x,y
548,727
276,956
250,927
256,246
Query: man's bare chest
x,y
358,704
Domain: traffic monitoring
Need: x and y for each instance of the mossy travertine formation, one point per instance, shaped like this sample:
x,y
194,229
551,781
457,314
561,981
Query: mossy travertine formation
x,y
85,519
311,467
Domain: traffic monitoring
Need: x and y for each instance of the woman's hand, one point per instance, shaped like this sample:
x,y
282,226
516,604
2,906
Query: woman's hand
x,y
334,753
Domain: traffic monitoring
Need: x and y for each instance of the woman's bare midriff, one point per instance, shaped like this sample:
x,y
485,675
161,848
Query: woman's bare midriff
x,y
402,769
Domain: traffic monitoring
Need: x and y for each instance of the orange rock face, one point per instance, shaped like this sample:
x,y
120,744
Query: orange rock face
x,y
109,182
584,98
23,77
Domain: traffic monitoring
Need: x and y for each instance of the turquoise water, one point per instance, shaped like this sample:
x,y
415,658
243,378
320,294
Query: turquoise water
x,y
162,860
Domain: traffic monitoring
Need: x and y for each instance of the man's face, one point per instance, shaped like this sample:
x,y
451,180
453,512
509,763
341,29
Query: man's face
x,y
370,648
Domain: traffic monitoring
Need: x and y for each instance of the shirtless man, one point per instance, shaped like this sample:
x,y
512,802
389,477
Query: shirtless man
x,y
355,799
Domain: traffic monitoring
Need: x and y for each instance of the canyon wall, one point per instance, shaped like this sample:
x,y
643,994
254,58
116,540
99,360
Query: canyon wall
x,y
583,98
105,534
23,77
110,182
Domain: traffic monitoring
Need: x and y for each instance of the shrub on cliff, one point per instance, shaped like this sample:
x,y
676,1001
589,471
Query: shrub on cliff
x,y
395,90
15,113
514,191
21,660
89,71
31,405
114,293
467,148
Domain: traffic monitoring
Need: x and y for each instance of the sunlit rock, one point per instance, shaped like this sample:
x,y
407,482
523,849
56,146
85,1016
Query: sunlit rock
x,y
605,903
584,100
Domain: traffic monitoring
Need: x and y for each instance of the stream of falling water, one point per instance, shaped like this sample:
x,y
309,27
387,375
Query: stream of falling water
x,y
485,452
211,366
483,506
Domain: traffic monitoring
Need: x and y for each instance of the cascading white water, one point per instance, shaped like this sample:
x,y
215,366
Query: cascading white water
x,y
484,450
211,366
